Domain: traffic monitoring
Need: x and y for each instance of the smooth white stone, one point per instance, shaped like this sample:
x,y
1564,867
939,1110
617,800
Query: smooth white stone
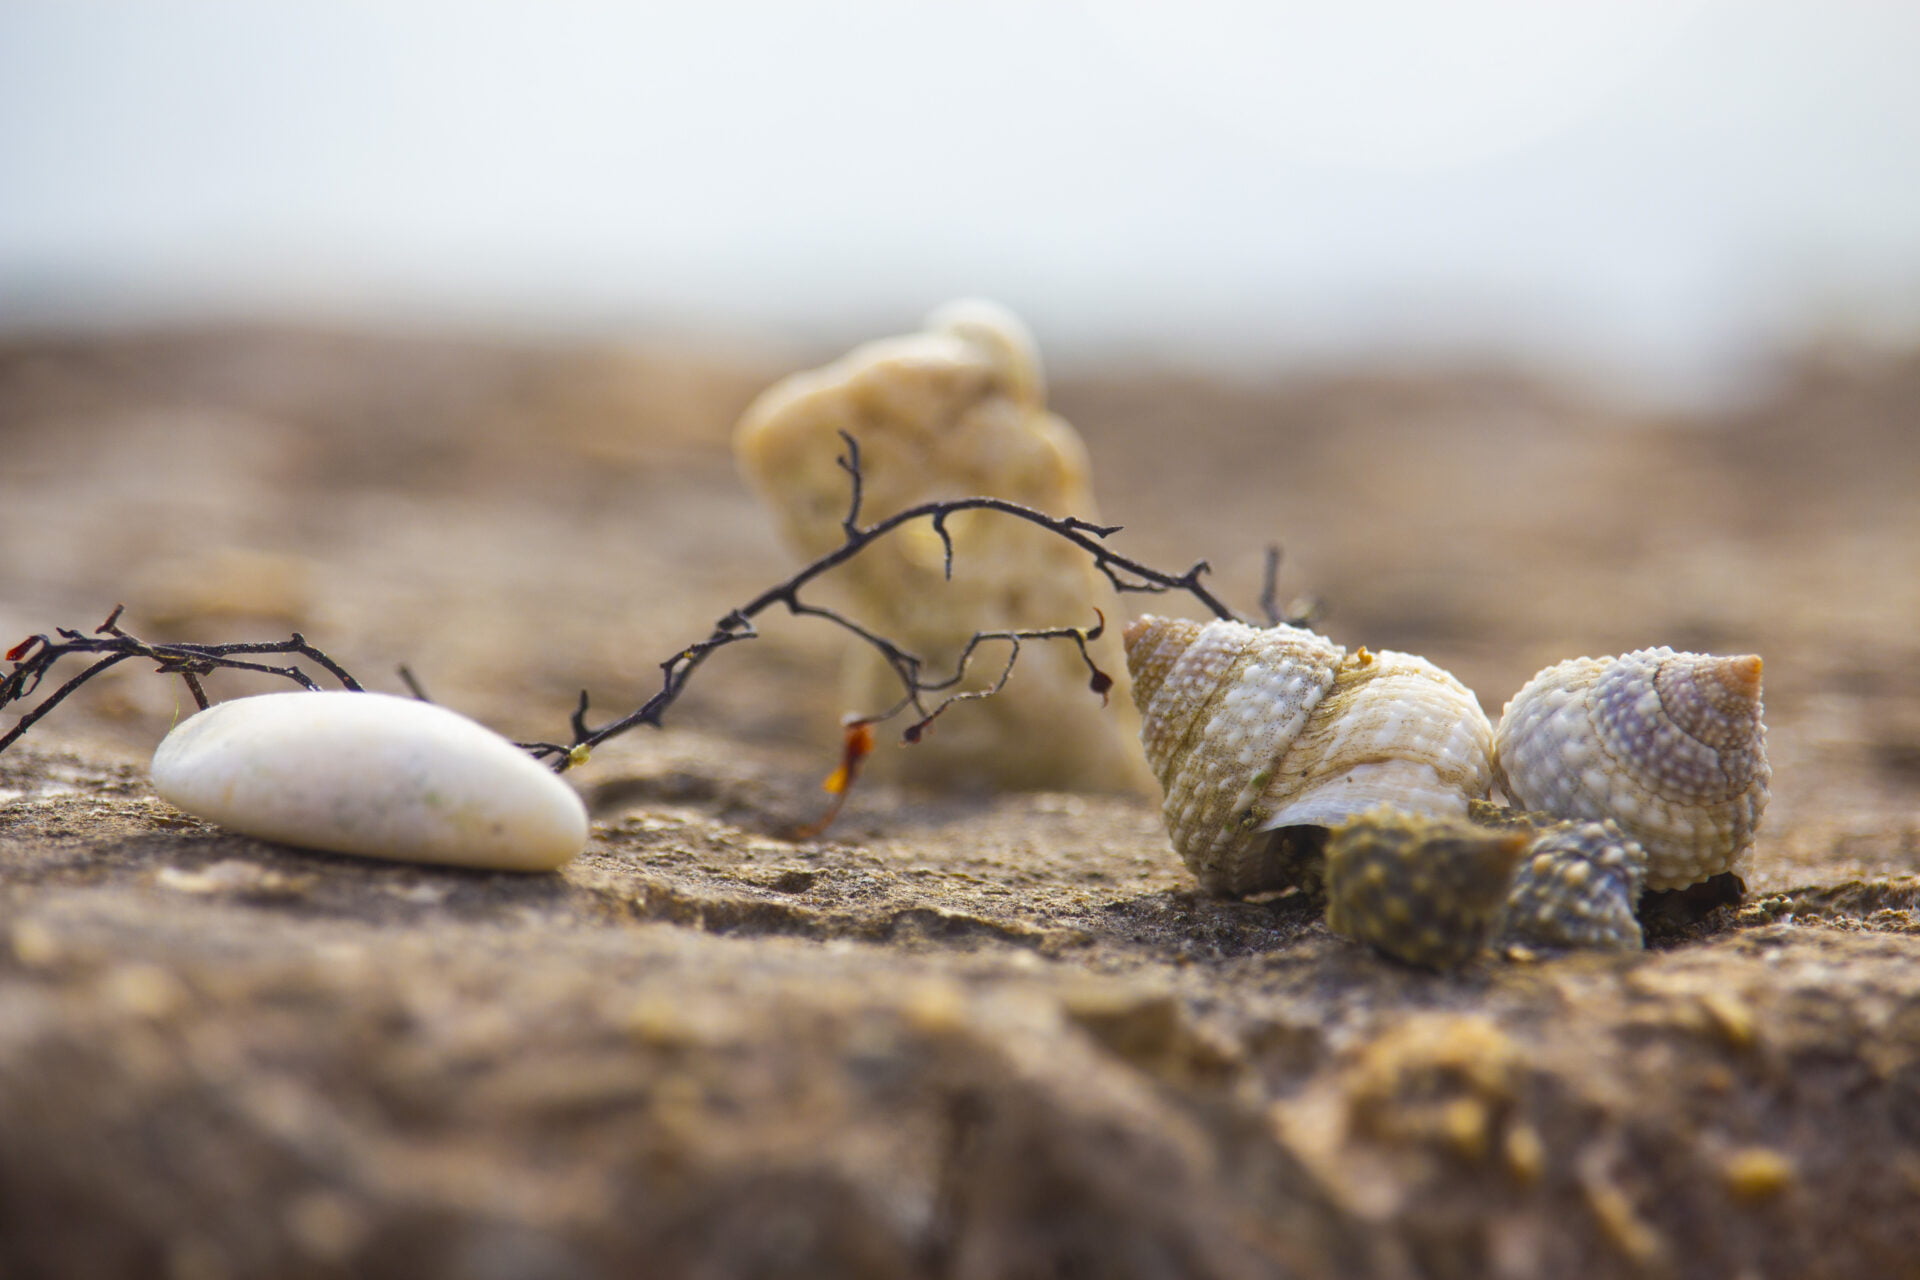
x,y
370,774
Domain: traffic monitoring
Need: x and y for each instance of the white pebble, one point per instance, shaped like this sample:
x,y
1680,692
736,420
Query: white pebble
x,y
370,774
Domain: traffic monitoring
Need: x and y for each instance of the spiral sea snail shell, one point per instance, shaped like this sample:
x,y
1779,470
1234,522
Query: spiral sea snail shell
x,y
1646,771
1669,745
1260,733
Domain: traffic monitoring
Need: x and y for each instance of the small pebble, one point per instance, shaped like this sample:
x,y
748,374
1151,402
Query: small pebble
x,y
370,774
1758,1173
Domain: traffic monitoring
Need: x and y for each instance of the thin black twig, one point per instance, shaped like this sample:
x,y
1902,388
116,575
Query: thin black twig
x,y
850,463
927,696
36,656
1126,575
1098,681
1270,586
1301,611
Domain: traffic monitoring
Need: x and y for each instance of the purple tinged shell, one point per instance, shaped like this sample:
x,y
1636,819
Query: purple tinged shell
x,y
1670,746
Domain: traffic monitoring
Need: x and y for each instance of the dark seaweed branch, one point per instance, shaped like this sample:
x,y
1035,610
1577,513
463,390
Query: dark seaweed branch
x,y
1125,574
926,695
35,656
1270,586
1300,612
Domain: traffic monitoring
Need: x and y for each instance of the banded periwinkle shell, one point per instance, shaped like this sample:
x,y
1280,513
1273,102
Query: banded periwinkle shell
x,y
1430,892
1669,745
1577,887
1258,732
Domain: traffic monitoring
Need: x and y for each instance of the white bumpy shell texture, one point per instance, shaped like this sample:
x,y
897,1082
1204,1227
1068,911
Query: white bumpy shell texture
x,y
1255,730
1669,745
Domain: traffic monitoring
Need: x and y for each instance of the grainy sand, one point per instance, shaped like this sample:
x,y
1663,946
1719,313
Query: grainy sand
x,y
991,1035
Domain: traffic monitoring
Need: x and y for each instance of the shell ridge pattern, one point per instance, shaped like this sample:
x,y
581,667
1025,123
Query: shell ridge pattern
x,y
1173,713
1640,732
1181,709
1227,705
1263,706
1734,767
1393,711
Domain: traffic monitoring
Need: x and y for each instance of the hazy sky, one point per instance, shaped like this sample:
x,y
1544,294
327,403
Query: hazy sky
x,y
1657,183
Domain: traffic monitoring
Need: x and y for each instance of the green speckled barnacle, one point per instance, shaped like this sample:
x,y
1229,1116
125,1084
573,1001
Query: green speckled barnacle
x,y
1577,887
1430,892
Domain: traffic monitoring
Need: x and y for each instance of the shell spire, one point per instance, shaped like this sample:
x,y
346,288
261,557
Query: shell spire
x,y
1669,745
1219,706
1153,646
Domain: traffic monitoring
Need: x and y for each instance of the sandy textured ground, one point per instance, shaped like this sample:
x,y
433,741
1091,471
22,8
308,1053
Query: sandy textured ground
x,y
963,1036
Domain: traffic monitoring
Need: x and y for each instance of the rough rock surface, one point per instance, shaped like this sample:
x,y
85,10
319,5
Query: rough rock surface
x,y
961,1035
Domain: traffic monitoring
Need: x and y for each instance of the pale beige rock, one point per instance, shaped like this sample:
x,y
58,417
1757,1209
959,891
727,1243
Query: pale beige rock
x,y
370,774
957,410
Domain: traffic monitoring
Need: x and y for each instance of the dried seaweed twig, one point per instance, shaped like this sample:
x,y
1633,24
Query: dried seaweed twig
x,y
927,696
1300,612
917,687
35,656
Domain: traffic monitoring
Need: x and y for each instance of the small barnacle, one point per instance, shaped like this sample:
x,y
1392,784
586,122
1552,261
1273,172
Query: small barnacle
x,y
1427,891
1576,887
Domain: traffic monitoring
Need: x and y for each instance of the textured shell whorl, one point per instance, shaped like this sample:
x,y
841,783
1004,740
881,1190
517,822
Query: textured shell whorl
x,y
1394,730
1251,730
1219,705
1669,745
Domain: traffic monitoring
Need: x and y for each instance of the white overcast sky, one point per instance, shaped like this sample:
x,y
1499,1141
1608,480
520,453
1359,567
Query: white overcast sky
x,y
1658,184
